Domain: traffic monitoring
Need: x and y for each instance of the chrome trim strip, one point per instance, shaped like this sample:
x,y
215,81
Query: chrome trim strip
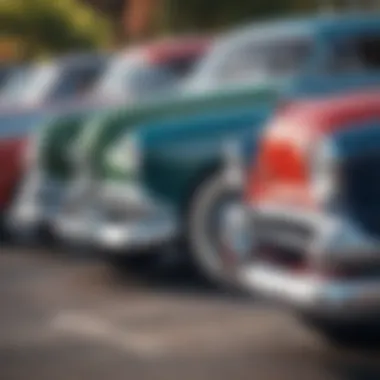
x,y
311,292
334,235
116,236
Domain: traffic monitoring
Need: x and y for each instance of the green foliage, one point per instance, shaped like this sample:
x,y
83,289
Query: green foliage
x,y
52,26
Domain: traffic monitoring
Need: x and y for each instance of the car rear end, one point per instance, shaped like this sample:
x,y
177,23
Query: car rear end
x,y
106,207
50,169
310,250
174,57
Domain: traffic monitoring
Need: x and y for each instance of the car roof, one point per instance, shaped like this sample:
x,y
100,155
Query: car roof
x,y
90,59
328,22
67,60
172,47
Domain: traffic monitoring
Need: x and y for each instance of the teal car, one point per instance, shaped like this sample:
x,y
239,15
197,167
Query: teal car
x,y
153,175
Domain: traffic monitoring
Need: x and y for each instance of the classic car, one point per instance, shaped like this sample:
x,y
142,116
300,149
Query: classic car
x,y
30,97
20,141
153,173
53,81
130,76
15,129
313,218
154,68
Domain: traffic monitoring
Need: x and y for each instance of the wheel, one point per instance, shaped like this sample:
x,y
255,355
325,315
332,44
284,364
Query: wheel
x,y
358,334
217,237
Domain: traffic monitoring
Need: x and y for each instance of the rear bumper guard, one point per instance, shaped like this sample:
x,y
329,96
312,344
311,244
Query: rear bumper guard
x,y
335,299
329,239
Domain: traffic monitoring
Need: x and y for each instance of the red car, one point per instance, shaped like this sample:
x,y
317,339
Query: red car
x,y
15,129
11,149
315,215
137,75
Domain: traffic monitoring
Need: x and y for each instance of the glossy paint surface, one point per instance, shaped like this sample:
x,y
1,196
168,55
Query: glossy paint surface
x,y
11,168
281,173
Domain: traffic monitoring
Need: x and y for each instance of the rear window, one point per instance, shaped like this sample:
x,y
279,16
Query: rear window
x,y
181,66
255,59
280,57
5,73
356,54
137,77
77,79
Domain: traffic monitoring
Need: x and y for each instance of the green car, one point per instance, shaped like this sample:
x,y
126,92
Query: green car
x,y
131,77
152,175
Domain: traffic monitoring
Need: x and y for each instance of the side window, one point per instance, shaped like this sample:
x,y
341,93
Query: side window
x,y
355,55
5,73
153,78
150,79
181,66
369,52
279,57
76,81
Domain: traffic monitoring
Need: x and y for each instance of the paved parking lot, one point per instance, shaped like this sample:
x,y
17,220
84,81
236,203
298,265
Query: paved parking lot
x,y
65,316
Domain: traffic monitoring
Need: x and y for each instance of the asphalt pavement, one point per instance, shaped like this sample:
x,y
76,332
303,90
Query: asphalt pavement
x,y
68,316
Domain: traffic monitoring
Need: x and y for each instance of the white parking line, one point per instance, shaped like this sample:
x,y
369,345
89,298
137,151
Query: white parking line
x,y
211,335
96,328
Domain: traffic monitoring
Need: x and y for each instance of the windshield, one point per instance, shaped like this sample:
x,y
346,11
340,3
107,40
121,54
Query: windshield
x,y
5,73
251,61
136,77
52,81
29,84
77,78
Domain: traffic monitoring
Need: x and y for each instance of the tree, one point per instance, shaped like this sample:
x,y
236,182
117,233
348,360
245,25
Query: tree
x,y
53,26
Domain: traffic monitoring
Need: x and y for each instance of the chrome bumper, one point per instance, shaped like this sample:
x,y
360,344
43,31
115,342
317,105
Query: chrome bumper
x,y
335,299
36,206
333,239
116,237
90,226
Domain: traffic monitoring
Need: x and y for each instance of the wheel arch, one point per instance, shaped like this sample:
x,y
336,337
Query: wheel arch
x,y
205,172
